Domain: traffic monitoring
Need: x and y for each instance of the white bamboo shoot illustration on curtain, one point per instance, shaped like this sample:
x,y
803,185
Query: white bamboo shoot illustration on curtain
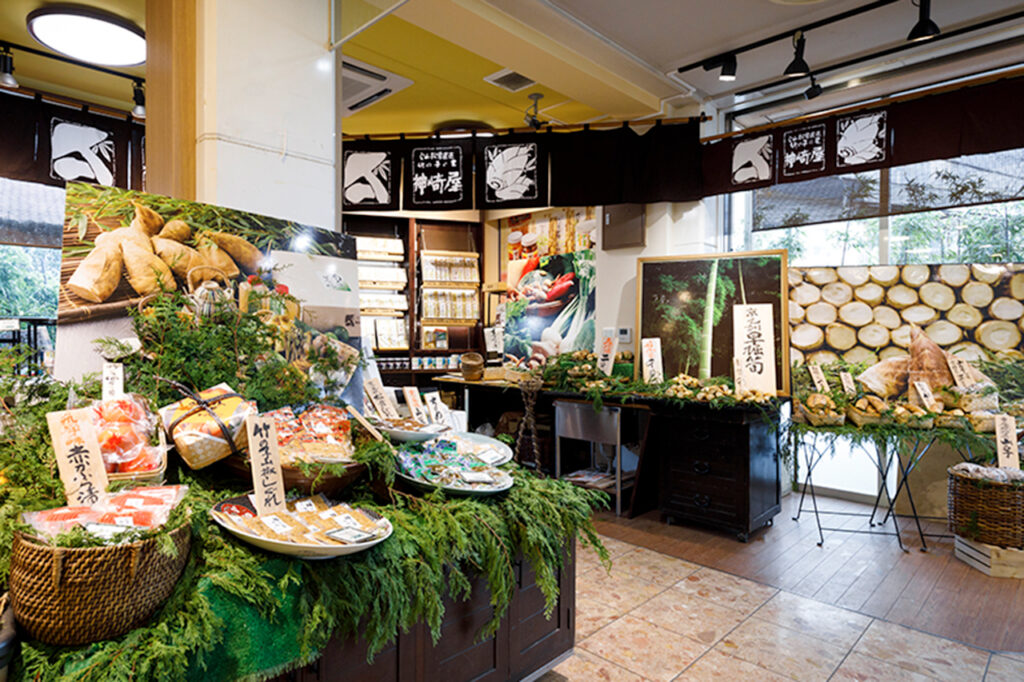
x,y
861,139
367,177
511,172
81,152
752,160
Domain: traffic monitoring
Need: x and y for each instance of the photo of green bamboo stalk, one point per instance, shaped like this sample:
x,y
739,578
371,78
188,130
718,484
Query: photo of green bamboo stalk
x,y
688,303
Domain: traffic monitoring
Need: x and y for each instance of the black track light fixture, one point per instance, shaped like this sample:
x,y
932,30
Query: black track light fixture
x,y
814,90
798,67
925,28
139,97
530,117
727,64
7,78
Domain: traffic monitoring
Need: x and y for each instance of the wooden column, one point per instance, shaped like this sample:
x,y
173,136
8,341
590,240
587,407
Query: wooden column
x,y
171,97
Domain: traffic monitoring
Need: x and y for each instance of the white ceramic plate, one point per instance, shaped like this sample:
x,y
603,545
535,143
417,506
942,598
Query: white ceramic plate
x,y
503,450
506,481
303,551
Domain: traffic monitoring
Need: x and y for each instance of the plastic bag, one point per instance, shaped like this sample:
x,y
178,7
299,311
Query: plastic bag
x,y
124,427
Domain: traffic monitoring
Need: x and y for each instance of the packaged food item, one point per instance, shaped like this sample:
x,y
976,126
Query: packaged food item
x,y
307,521
142,508
198,436
124,427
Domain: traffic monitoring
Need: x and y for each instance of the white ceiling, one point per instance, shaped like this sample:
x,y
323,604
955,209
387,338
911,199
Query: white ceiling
x,y
666,34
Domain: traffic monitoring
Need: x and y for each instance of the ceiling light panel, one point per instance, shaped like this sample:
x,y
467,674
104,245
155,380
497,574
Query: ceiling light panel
x,y
89,35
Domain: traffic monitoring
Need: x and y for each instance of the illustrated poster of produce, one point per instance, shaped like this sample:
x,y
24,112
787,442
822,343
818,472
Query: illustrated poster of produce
x,y
328,288
551,308
121,245
864,314
688,303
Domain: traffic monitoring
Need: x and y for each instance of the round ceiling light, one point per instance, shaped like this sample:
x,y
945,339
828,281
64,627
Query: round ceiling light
x,y
89,35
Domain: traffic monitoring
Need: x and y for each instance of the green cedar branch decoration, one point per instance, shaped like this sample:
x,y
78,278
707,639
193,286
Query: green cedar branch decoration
x,y
439,547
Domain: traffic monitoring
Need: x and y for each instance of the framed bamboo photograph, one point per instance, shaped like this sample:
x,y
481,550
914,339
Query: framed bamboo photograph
x,y
687,302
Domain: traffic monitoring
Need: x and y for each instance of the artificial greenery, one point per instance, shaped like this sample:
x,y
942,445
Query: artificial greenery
x,y
1008,376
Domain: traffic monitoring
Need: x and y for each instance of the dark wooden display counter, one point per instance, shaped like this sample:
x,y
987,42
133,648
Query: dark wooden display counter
x,y
526,641
718,467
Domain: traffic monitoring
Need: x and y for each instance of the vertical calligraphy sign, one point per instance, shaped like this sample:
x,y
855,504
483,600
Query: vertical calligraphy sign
x,y
606,354
1006,442
78,456
650,356
753,343
265,460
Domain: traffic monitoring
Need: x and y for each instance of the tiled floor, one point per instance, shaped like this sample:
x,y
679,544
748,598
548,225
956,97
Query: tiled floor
x,y
656,617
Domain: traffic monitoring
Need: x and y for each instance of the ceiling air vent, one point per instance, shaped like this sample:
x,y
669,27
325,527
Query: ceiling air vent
x,y
509,80
363,84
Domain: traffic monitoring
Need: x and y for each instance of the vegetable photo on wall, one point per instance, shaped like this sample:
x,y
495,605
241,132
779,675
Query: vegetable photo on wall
x,y
687,301
551,308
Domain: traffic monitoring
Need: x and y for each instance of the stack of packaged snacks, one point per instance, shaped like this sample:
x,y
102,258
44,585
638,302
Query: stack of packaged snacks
x,y
143,508
197,434
308,521
321,433
124,427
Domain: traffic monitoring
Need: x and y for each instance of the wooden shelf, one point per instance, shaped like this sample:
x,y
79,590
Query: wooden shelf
x,y
450,254
431,322
383,287
450,285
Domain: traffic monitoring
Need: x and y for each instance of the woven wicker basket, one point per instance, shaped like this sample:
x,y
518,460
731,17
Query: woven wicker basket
x,y
986,511
79,595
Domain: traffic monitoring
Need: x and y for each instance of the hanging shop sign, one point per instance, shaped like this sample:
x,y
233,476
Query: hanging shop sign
x,y
753,160
861,140
803,150
370,173
438,175
512,171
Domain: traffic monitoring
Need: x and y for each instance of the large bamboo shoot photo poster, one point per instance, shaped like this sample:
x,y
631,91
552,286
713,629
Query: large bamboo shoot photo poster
x,y
688,302
864,314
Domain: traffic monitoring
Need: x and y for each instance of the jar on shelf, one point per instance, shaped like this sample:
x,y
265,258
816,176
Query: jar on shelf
x,y
515,248
529,244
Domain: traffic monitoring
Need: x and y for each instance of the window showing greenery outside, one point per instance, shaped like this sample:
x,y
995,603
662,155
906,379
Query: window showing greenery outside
x,y
29,280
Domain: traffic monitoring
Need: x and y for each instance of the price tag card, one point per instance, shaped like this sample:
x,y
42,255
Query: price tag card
x,y
382,402
1006,442
113,380
737,375
476,477
924,392
350,536
650,356
365,424
78,456
305,506
606,356
961,371
489,456
849,387
415,403
753,342
439,412
266,465
818,377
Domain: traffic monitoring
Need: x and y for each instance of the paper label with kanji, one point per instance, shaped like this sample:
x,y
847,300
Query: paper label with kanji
x,y
849,387
79,460
818,377
113,381
265,460
924,392
961,371
1006,442
650,357
439,412
415,404
737,375
606,352
753,342
382,402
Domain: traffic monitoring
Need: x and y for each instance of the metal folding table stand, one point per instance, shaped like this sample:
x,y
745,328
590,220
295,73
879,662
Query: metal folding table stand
x,y
579,421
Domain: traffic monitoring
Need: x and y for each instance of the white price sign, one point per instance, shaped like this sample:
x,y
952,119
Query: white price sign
x,y
753,343
606,356
113,380
818,377
650,355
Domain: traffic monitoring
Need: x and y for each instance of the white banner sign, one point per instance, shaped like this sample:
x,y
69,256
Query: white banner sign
x,y
650,353
753,342
606,354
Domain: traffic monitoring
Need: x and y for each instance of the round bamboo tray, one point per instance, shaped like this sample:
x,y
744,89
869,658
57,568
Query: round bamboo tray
x,y
77,595
986,511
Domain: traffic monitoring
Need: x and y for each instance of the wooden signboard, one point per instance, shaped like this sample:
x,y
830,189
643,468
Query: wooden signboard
x,y
265,460
606,354
380,399
415,403
818,377
365,424
849,387
78,456
1006,442
650,350
753,342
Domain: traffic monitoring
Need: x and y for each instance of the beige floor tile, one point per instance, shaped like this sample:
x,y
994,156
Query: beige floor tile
x,y
591,616
717,665
726,590
652,652
585,667
918,652
782,650
1016,655
829,623
616,591
587,559
687,614
861,668
1005,669
655,567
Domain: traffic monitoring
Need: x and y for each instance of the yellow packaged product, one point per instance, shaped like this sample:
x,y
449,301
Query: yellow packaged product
x,y
196,428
